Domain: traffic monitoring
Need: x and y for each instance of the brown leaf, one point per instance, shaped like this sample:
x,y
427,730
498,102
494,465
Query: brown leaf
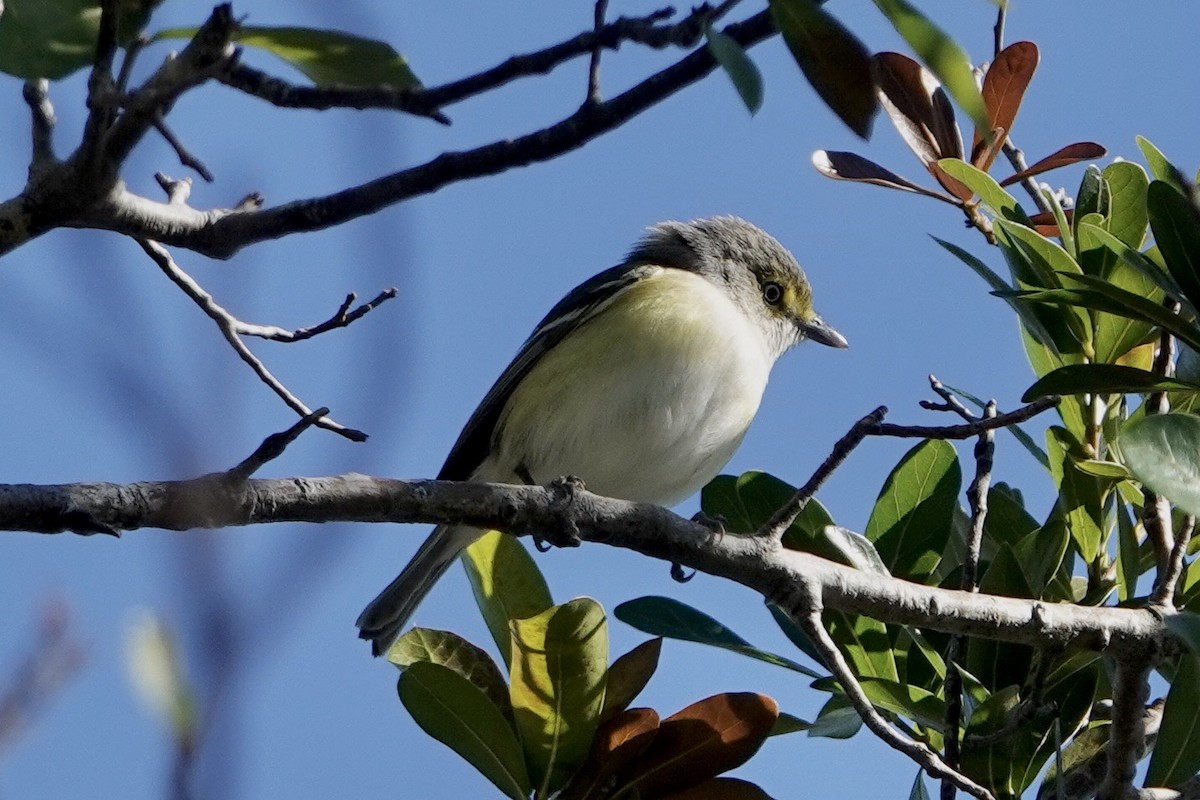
x,y
719,789
1071,154
836,64
1003,89
703,740
619,743
917,106
629,674
1045,223
844,166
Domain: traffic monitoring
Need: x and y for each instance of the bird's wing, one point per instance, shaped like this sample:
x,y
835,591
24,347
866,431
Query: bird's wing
x,y
580,305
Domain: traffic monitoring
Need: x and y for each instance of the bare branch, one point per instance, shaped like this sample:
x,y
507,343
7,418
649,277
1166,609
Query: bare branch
x,y
273,447
1156,509
804,606
593,89
37,97
229,327
1127,740
969,429
340,319
185,156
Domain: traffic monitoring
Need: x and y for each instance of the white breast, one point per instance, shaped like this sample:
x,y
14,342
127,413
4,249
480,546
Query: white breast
x,y
652,421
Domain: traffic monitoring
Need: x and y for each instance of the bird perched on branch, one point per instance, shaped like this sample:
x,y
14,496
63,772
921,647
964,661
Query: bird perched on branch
x,y
641,382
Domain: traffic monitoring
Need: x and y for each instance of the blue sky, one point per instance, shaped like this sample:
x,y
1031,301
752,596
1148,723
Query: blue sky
x,y
110,374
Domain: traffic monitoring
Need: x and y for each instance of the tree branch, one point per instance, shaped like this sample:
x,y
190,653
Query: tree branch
x,y
221,233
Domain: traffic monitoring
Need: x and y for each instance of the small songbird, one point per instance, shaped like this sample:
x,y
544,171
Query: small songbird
x,y
641,382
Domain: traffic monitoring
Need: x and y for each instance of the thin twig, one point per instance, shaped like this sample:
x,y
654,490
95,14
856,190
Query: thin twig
x,y
1164,590
950,401
132,51
782,519
185,156
998,28
968,430
37,97
1016,157
228,325
340,319
977,493
101,98
1156,510
273,446
593,90
1031,708
54,656
805,609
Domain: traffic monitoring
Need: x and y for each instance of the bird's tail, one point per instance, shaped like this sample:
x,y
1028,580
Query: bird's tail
x,y
384,617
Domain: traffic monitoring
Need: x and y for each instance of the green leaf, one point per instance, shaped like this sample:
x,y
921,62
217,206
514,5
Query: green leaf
x,y
737,65
913,702
1160,167
794,634
1094,194
941,55
1127,183
857,550
1128,556
1002,203
749,500
1163,451
918,791
559,666
1176,225
327,58
455,653
1176,755
629,674
1079,495
662,616
1041,552
1093,235
507,584
53,38
836,720
455,712
836,64
1186,626
910,522
865,642
1101,379
789,723
1006,520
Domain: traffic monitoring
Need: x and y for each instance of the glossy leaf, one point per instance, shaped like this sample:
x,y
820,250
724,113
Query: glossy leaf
x,y
662,616
720,789
844,166
1186,625
1160,167
836,64
836,720
53,38
941,55
705,739
1090,233
857,550
1063,157
1128,557
559,662
747,501
795,634
455,653
742,72
918,790
618,744
326,57
1040,553
455,712
1128,184
1101,379
1079,495
629,674
1163,451
1003,89
984,186
789,723
918,107
910,521
506,583
1176,225
913,702
1176,755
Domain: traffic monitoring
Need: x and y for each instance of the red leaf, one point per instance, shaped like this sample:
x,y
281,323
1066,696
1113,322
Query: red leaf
x,y
620,741
845,166
917,106
1003,89
720,789
1071,154
704,740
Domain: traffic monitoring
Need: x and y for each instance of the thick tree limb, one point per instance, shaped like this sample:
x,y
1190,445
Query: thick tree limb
x,y
214,501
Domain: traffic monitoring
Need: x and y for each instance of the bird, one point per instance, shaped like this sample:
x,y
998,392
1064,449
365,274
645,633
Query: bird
x,y
641,382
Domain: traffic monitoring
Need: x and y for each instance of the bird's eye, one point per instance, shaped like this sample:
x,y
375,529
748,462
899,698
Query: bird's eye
x,y
772,293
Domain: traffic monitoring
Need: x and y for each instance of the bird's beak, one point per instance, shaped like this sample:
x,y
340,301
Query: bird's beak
x,y
816,330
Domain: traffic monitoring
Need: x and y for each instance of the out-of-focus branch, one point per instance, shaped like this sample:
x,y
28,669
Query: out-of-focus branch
x,y
54,657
